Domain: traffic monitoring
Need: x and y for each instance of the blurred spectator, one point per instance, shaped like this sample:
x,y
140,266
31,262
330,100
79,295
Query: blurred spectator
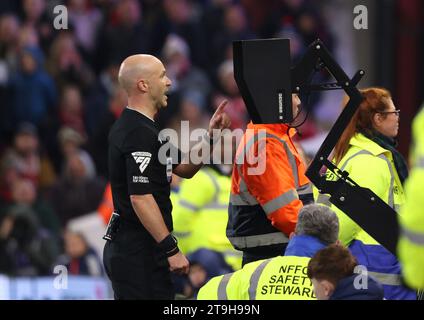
x,y
86,21
297,46
123,35
25,198
235,107
80,258
236,24
70,144
184,76
71,109
178,18
24,159
193,109
28,37
98,99
25,248
66,65
35,16
76,193
98,143
9,30
224,24
33,91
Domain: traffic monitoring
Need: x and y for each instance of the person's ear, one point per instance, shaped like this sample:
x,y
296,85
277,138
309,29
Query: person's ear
x,y
328,288
142,85
338,243
377,119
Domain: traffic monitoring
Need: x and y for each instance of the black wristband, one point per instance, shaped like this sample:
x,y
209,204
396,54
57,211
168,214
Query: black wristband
x,y
169,245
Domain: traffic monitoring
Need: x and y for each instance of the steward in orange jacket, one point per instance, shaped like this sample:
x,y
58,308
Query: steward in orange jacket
x,y
268,189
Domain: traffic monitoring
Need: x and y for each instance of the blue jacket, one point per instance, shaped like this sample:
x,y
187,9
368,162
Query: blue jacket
x,y
33,94
345,290
304,246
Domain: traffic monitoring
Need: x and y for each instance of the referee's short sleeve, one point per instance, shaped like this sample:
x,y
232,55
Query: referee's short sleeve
x,y
139,154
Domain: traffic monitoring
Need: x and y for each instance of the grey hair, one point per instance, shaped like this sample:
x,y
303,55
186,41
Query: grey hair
x,y
318,221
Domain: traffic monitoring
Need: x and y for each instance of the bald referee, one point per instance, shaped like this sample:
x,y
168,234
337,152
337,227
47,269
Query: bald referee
x,y
143,253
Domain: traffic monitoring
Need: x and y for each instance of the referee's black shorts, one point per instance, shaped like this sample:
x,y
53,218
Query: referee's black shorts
x,y
135,268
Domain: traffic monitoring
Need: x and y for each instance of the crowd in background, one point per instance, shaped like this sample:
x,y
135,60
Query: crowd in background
x,y
59,96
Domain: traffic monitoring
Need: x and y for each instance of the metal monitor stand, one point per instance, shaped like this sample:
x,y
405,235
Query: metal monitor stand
x,y
362,205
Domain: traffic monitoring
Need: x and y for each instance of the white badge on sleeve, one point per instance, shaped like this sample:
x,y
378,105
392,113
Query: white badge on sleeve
x,y
169,169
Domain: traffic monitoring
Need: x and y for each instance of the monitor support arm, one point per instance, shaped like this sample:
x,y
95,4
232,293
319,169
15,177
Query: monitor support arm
x,y
362,205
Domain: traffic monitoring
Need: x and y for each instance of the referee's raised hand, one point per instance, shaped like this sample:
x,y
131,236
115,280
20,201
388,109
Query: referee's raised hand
x,y
220,120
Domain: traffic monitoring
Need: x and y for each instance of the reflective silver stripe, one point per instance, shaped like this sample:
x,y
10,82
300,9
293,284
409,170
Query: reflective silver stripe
x,y
181,234
222,287
420,294
232,253
214,204
290,156
217,206
258,240
420,163
396,207
324,199
386,278
392,181
305,189
414,237
237,200
280,201
188,205
215,184
254,279
392,175
245,194
353,156
247,199
243,200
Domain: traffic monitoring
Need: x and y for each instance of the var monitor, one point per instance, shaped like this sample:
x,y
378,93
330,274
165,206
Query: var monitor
x,y
262,72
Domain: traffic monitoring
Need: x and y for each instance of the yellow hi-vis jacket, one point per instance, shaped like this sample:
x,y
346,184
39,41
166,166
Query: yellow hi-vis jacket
x,y
411,243
200,215
278,278
217,288
372,166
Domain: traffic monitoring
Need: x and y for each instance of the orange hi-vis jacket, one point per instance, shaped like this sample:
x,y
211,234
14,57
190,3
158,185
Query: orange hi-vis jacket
x,y
268,187
105,208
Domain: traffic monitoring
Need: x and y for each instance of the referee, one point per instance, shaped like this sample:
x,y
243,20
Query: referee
x,y
143,253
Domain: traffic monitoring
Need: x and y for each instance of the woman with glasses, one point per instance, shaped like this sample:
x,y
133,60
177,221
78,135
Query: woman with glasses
x,y
366,150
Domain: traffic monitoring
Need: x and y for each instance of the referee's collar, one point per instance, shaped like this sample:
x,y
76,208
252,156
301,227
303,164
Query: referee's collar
x,y
129,108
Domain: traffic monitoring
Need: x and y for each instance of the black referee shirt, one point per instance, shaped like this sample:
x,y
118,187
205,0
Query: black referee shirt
x,y
134,166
